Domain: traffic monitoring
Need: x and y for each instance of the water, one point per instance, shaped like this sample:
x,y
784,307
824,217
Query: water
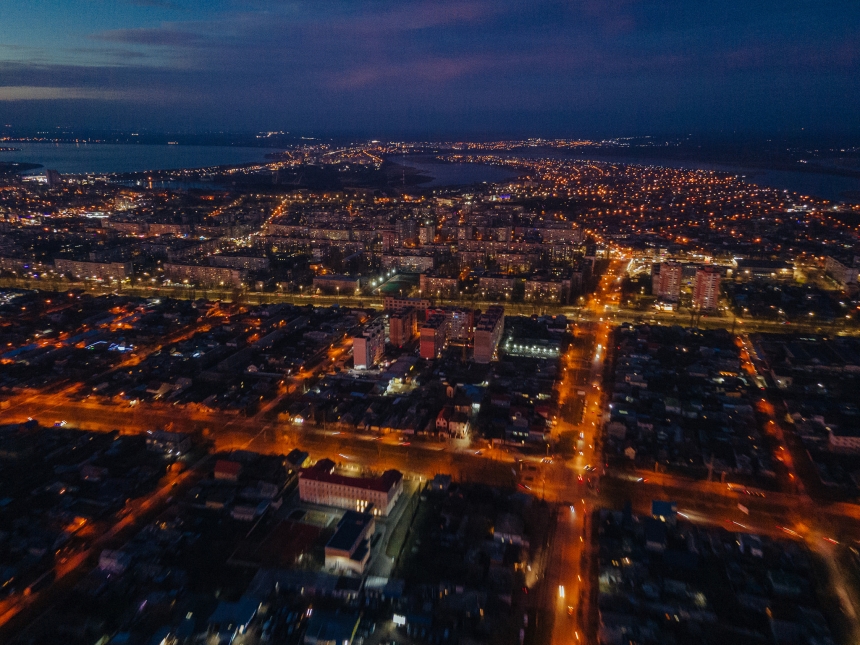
x,y
813,184
456,174
822,185
83,158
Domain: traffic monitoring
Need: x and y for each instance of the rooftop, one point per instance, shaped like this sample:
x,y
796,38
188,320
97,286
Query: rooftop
x,y
322,472
349,530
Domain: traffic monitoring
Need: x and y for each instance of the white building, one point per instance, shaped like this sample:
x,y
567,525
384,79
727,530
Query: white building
x,y
348,550
844,275
367,349
321,485
395,304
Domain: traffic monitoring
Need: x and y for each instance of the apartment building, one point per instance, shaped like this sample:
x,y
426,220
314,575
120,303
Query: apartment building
x,y
433,336
706,289
402,326
98,270
204,275
488,334
369,347
666,285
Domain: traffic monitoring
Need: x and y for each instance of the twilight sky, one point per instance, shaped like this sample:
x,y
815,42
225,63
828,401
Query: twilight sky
x,y
426,68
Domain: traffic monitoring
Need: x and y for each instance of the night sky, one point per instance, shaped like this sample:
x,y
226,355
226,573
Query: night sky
x,y
433,69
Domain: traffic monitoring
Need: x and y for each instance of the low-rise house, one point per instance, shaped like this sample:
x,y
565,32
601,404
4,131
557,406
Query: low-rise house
x,y
348,550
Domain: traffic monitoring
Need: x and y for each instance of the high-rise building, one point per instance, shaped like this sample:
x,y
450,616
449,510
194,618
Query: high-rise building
x,y
459,322
668,284
433,336
406,230
427,233
368,348
496,286
402,326
706,290
547,290
396,305
437,286
387,239
488,334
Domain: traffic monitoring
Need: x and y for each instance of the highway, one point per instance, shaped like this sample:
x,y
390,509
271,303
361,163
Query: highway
x,y
609,311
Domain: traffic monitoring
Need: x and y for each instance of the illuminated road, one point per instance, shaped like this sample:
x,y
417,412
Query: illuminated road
x,y
566,582
610,311
566,587
789,514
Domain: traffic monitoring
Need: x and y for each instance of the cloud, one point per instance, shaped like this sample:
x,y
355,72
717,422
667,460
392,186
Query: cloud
x,y
837,56
432,71
612,16
37,93
165,36
288,63
162,4
416,16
